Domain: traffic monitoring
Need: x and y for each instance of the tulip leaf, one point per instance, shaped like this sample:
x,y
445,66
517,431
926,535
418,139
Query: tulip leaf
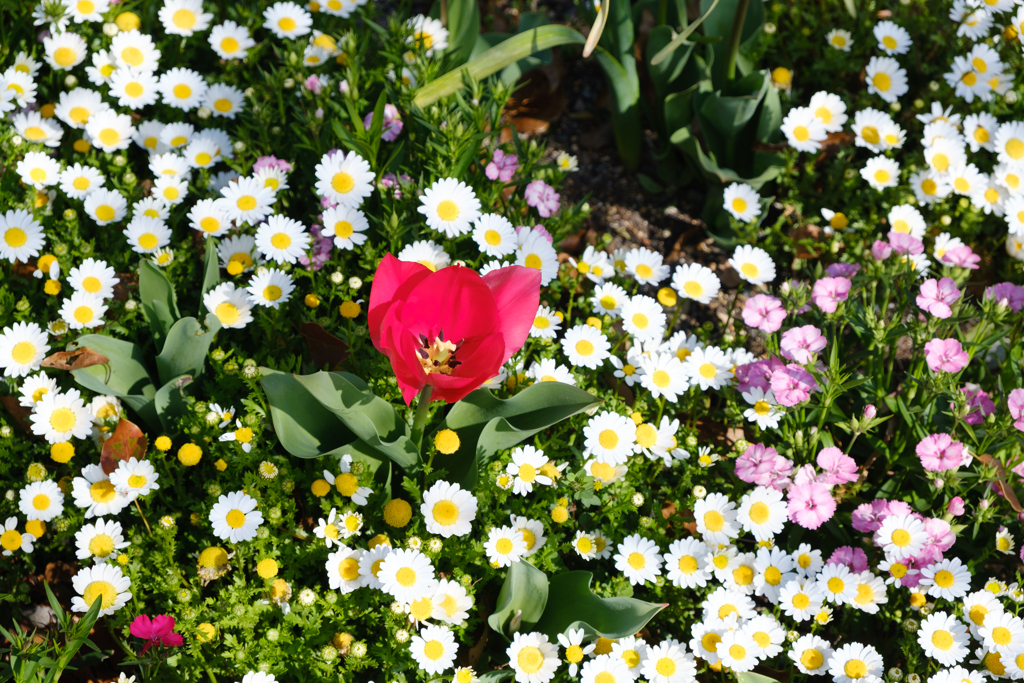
x,y
496,676
211,269
751,677
156,293
625,106
346,415
572,605
185,348
486,424
170,402
125,376
522,598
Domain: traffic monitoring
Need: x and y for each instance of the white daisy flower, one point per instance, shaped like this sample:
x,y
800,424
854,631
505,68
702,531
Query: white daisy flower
x,y
232,306
109,130
246,201
811,654
224,100
94,492
892,39
716,519
980,131
38,170
585,346
868,125
753,265
504,546
105,583
11,539
429,35
208,218
929,187
685,563
742,202
855,662
87,10
838,583
287,20
65,50
763,513
608,299
965,180
763,410
184,17
906,219
18,88
830,109
532,657
135,478
235,518
182,88
545,324
343,569
433,649
773,569
803,129
346,179
646,266
103,67
525,467
609,437
41,500
237,253
697,282
145,234
35,387
990,198
575,650
231,41
943,638
1009,143
706,638
21,236
606,668
948,578
171,189
426,253
37,130
370,564
1003,632
346,225
494,235
885,78
451,602
99,541
282,239
78,181
448,510
593,264
663,375
902,536
270,288
801,599
201,153
538,253
708,368
450,206
407,575
881,172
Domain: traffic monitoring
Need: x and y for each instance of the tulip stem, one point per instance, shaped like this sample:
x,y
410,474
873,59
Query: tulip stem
x,y
420,421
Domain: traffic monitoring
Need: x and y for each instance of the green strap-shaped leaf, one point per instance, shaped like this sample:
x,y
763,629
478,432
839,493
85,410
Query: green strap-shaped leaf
x,y
185,348
211,269
156,294
486,424
125,377
572,605
625,108
463,28
496,59
522,598
330,413
751,677
170,402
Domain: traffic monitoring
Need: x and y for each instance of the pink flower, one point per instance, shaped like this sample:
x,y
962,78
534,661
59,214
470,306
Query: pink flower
x,y
828,292
810,505
313,84
392,122
938,452
763,466
979,402
846,270
945,355
523,234
156,631
543,197
902,243
801,343
881,250
870,411
1015,403
956,507
937,296
868,517
764,312
792,385
940,539
502,167
1007,294
757,374
854,558
271,162
961,256
837,467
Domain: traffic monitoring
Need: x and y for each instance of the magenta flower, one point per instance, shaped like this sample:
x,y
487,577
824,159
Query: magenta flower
x,y
543,197
846,270
868,517
962,256
940,539
392,122
792,385
945,355
810,505
881,250
956,507
979,402
802,343
271,162
829,292
1007,294
502,167
938,452
903,243
763,466
314,85
1015,403
320,250
156,631
837,467
854,558
764,312
870,411
937,296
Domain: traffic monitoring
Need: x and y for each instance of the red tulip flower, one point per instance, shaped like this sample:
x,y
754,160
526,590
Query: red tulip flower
x,y
156,631
451,329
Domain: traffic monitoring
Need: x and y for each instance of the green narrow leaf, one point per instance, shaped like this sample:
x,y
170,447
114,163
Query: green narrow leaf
x,y
666,51
154,288
523,597
211,271
496,59
625,110
303,425
463,28
572,605
169,403
186,346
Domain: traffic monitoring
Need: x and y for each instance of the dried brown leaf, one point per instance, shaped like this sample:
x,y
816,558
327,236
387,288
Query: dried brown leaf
x,y
75,360
126,442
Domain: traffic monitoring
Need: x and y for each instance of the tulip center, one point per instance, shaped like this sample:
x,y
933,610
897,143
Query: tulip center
x,y
438,356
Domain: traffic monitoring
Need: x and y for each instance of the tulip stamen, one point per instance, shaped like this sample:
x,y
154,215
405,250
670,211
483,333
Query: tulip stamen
x,y
438,357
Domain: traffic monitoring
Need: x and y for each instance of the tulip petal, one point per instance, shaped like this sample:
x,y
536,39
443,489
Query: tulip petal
x,y
516,291
392,282
454,300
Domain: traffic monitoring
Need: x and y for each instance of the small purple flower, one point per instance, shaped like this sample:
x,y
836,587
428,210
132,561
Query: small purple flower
x,y
543,197
764,312
937,296
961,256
314,85
321,249
792,385
392,122
837,467
854,558
828,292
979,402
868,517
846,270
502,167
956,506
802,343
945,355
881,250
1007,294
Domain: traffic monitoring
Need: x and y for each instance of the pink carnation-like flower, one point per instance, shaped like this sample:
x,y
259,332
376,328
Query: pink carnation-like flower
x,y
810,505
502,166
829,292
903,243
1015,404
523,234
763,466
156,631
392,123
792,385
940,539
837,467
802,343
868,517
945,355
542,197
962,256
956,506
846,270
854,558
764,312
271,162
937,296
1006,294
979,402
881,250
938,452
314,85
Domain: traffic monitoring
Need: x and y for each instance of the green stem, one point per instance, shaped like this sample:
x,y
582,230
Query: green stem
x,y
735,37
420,421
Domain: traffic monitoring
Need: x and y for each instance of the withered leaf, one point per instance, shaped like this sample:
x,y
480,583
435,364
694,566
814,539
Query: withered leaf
x,y
17,411
324,347
126,442
75,360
